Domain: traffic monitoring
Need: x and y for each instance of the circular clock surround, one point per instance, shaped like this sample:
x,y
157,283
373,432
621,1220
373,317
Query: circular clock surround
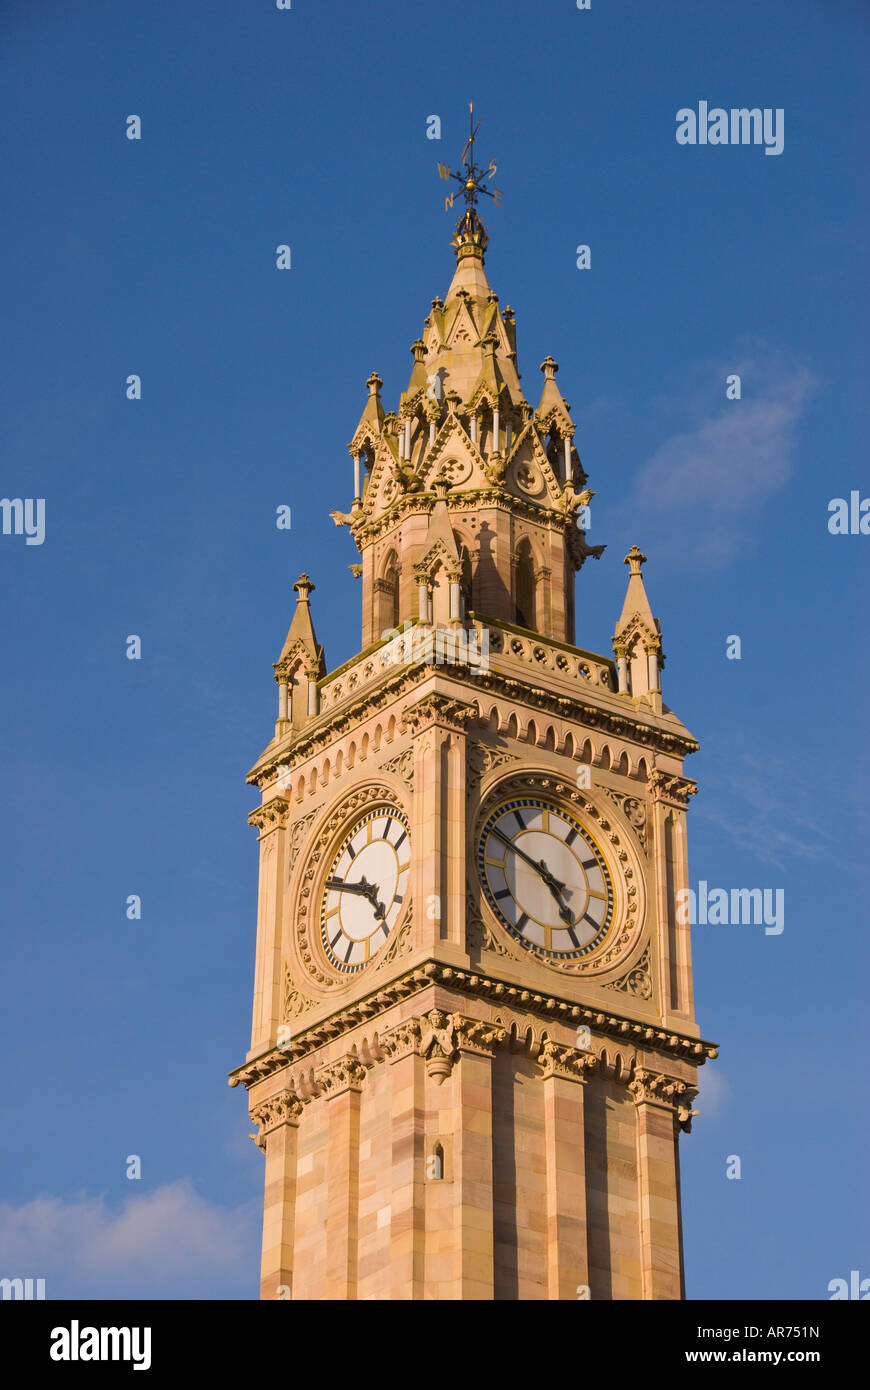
x,y
365,888
545,877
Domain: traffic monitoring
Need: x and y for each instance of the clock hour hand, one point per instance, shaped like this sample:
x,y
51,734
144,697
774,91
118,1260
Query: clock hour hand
x,y
363,889
555,887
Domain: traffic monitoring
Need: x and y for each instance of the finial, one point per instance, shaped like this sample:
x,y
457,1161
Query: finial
x,y
635,558
549,367
419,350
374,384
470,236
303,587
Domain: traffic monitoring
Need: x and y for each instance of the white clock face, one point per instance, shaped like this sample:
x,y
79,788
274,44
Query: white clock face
x,y
365,888
545,878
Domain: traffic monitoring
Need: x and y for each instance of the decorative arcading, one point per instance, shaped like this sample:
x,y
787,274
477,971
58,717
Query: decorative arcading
x,y
384,696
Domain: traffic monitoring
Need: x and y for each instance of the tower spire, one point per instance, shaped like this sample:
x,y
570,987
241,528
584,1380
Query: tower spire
x,y
470,237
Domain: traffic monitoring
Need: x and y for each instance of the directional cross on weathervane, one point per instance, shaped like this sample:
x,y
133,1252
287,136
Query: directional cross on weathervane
x,y
472,181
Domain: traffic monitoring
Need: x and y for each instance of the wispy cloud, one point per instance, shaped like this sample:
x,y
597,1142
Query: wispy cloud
x,y
169,1243
706,484
772,811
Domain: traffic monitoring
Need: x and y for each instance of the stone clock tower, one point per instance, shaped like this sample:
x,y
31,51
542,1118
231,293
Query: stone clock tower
x,y
473,1045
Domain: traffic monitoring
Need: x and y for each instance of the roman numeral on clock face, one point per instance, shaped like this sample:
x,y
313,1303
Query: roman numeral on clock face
x,y
364,890
544,878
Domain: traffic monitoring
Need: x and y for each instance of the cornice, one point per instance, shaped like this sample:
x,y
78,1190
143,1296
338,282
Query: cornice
x,y
338,723
422,503
543,1004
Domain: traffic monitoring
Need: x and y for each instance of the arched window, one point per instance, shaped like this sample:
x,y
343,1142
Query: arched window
x,y
525,598
387,595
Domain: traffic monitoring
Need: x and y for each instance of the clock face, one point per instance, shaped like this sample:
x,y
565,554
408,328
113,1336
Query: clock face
x,y
545,878
365,888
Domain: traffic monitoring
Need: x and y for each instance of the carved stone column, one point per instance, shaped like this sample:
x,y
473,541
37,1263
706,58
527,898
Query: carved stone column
x,y
473,1232
669,796
662,1107
271,820
341,1081
565,1073
438,842
278,1121
407,1205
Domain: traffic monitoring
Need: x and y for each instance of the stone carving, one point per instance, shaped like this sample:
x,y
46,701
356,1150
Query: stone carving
x,y
637,981
403,766
298,834
482,757
439,709
401,1040
285,1107
437,1044
634,811
347,1073
271,813
295,1002
557,1060
673,791
649,1087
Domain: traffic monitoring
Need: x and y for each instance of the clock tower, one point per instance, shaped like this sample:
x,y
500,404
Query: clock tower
x,y
473,1047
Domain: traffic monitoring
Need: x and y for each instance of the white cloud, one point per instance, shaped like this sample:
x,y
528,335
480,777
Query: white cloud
x,y
169,1243
705,485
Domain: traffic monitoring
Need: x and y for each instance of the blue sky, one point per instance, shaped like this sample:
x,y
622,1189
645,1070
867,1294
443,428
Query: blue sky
x,y
157,257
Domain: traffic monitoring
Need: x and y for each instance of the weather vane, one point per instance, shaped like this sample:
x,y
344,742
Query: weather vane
x,y
470,231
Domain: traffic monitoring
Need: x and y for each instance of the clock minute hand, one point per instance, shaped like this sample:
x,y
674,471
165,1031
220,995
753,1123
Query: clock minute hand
x,y
555,887
537,864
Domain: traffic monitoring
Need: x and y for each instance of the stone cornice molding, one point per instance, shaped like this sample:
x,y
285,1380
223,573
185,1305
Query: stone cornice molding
x,y
580,711
368,530
543,1004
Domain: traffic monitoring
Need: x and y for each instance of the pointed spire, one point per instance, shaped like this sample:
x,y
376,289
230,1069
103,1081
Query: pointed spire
x,y
637,643
553,405
636,602
371,421
301,636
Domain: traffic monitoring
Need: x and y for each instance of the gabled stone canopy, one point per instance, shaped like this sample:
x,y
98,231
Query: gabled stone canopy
x,y
512,478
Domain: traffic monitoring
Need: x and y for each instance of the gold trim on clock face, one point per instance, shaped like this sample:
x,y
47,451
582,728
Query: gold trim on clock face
x,y
365,888
545,878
